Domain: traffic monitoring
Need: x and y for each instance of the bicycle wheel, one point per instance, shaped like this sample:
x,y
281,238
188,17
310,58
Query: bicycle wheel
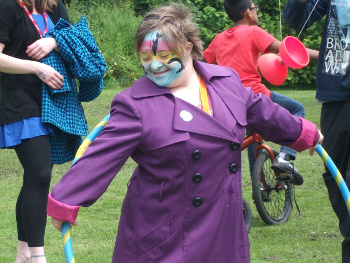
x,y
247,213
272,198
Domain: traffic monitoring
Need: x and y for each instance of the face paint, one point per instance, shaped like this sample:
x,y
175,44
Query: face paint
x,y
161,65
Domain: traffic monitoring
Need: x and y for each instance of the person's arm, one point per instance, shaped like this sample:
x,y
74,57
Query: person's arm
x,y
209,54
274,47
297,12
91,175
41,48
62,11
312,53
274,123
47,74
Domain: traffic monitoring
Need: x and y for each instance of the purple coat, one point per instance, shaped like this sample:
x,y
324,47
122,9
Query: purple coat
x,y
184,201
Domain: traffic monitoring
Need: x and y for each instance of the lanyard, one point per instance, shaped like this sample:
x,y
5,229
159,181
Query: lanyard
x,y
32,19
204,96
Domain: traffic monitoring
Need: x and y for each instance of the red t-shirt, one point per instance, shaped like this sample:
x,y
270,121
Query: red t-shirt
x,y
240,48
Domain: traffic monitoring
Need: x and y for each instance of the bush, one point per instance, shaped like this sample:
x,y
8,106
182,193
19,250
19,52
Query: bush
x,y
113,27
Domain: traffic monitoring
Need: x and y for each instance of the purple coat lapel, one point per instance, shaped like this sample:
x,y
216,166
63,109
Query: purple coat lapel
x,y
192,119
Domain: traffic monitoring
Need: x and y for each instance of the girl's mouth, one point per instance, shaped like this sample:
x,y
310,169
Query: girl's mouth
x,y
160,73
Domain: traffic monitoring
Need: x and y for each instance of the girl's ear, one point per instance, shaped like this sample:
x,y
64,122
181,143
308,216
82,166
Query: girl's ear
x,y
189,47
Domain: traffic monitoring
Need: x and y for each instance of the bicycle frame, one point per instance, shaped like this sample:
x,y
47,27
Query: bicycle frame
x,y
256,138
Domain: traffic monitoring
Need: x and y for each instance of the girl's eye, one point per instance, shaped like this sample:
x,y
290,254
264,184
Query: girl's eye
x,y
146,58
163,56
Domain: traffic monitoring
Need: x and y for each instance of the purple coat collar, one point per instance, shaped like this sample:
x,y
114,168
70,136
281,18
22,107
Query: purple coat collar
x,y
221,125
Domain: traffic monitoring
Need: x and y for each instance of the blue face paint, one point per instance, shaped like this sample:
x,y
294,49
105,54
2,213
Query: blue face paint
x,y
161,64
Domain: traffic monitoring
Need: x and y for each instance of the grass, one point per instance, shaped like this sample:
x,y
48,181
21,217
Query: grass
x,y
311,236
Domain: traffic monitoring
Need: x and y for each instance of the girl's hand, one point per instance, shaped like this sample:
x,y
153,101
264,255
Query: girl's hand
x,y
41,48
58,224
313,148
48,75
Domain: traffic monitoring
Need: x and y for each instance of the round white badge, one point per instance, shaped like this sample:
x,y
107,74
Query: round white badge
x,y
186,115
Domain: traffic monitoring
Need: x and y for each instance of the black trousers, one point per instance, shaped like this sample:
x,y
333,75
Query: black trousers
x,y
335,126
35,157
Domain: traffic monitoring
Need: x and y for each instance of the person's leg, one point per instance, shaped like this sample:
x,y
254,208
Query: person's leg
x,y
345,224
251,157
295,108
23,252
282,162
336,131
35,157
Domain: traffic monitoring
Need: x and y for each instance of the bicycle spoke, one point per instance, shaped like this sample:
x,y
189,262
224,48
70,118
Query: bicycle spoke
x,y
273,197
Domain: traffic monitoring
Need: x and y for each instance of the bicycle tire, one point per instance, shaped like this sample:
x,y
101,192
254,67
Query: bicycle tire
x,y
273,199
247,213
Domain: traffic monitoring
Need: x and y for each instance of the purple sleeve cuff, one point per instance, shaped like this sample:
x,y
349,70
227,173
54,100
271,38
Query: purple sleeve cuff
x,y
307,136
61,211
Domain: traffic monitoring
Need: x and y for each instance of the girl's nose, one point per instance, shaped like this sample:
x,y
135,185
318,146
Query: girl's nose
x,y
155,64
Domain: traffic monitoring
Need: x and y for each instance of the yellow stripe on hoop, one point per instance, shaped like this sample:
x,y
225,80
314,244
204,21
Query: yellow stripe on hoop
x,y
348,203
66,237
338,178
324,156
102,123
82,148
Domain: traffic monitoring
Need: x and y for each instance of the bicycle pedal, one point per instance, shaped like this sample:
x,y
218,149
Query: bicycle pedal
x,y
285,177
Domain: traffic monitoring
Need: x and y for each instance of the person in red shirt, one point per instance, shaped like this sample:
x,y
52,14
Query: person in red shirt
x,y
239,48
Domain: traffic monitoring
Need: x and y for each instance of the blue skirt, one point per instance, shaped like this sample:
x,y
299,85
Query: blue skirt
x,y
12,134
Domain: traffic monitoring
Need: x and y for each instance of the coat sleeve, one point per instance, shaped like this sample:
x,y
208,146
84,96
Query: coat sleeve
x,y
295,13
91,175
276,124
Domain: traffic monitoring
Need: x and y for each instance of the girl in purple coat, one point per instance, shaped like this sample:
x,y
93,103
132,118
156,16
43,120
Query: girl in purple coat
x,y
183,123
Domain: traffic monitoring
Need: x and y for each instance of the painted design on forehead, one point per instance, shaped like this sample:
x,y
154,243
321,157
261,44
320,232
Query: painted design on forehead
x,y
155,43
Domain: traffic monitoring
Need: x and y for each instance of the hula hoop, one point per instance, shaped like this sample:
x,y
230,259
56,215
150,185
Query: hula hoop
x,y
92,135
67,241
336,174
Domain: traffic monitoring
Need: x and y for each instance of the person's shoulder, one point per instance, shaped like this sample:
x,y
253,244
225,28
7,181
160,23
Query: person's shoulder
x,y
9,10
58,11
8,5
257,31
257,28
217,36
213,70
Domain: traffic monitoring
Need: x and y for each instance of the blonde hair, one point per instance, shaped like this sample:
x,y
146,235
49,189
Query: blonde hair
x,y
176,23
40,5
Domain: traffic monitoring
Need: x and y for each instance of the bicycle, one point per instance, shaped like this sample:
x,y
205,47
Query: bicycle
x,y
272,195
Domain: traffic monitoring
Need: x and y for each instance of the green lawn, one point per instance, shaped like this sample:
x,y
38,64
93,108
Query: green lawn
x,y
311,236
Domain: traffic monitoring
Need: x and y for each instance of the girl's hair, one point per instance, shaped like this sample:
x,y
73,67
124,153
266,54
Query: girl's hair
x,y
40,5
176,23
236,8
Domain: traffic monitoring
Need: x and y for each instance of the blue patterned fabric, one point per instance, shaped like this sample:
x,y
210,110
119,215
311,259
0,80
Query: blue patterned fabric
x,y
79,58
